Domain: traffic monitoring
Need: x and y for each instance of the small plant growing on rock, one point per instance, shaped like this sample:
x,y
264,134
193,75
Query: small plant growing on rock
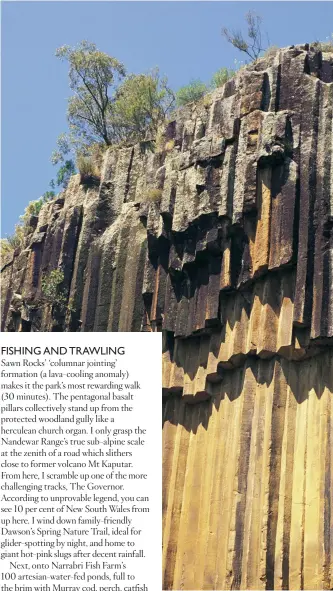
x,y
23,228
87,166
324,46
33,208
193,92
13,241
207,101
70,305
89,169
221,77
16,240
51,290
153,195
5,247
169,146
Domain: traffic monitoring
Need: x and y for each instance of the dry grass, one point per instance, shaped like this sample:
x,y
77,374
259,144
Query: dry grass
x,y
207,101
324,46
87,166
153,196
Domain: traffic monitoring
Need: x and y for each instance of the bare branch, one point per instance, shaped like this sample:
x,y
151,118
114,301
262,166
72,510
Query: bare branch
x,y
254,46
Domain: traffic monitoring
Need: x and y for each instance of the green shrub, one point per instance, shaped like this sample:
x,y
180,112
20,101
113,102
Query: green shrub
x,y
34,207
221,77
64,173
142,103
23,228
5,247
51,291
15,240
193,92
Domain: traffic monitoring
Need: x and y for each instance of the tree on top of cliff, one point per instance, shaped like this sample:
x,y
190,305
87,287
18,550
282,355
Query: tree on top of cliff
x,y
253,47
141,105
92,73
107,106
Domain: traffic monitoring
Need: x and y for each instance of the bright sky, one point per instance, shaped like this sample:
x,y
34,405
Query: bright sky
x,y
182,38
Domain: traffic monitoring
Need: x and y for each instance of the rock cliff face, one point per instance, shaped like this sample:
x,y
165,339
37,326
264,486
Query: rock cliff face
x,y
234,264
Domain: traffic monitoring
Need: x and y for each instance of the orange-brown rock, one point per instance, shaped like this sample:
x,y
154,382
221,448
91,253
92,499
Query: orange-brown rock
x,y
234,264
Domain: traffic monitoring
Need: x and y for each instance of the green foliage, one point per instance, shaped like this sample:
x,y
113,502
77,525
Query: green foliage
x,y
106,108
64,146
253,45
16,240
193,92
141,105
221,77
13,241
34,207
92,74
5,247
51,288
64,173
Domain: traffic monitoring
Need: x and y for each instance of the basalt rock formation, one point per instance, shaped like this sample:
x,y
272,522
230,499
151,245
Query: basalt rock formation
x,y
234,264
